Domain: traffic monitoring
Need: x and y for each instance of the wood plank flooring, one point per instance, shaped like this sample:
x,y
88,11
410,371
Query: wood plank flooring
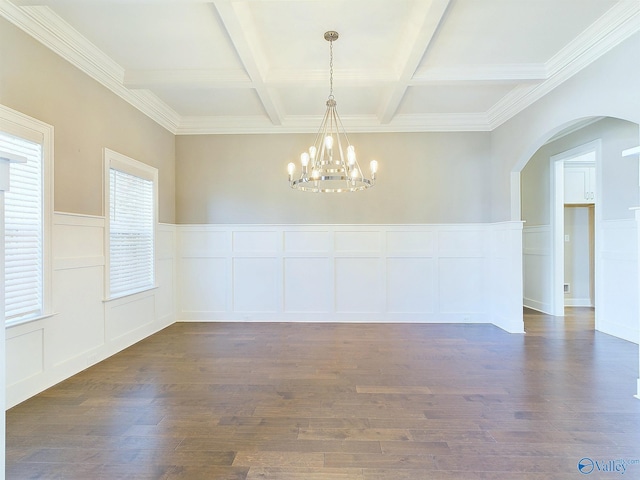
x,y
340,401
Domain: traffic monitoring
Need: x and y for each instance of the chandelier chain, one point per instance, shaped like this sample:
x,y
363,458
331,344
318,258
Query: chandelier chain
x,y
331,68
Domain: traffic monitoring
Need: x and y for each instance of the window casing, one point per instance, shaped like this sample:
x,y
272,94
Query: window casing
x,y
131,201
28,213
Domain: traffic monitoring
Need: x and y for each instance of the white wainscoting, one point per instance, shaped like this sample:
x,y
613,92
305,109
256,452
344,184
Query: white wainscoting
x,y
365,273
537,268
506,276
85,329
617,280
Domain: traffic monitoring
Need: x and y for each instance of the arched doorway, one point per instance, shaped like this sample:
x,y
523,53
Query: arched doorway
x,y
615,251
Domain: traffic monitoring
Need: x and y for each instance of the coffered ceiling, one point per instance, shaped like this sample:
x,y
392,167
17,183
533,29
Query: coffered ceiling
x,y
260,66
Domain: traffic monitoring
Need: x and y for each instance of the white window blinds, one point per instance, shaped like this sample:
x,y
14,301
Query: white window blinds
x,y
23,230
131,233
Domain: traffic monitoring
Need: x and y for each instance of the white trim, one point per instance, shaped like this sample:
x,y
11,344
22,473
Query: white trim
x,y
516,196
577,302
118,161
30,128
557,230
22,321
12,157
120,296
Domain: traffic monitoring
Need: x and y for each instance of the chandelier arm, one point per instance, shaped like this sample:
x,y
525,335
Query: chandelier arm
x,y
343,168
343,164
332,126
323,145
343,129
322,130
346,137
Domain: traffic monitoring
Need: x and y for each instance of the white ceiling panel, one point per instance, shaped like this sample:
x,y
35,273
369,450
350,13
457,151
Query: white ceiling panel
x,y
214,102
291,33
154,35
452,98
502,32
261,66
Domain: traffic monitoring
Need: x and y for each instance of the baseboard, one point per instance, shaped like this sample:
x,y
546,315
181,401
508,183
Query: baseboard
x,y
578,302
619,331
317,317
537,306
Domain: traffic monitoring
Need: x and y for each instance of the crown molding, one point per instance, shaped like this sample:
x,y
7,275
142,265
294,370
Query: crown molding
x,y
53,32
354,124
615,26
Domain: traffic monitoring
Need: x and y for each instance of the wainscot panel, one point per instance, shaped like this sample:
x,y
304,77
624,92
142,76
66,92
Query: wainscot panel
x,y
351,273
309,295
538,268
617,284
505,272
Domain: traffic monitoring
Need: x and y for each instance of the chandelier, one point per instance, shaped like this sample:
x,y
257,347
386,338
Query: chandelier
x,y
325,167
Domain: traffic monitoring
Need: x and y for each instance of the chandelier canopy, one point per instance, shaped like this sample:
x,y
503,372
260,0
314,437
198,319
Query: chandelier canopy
x,y
326,168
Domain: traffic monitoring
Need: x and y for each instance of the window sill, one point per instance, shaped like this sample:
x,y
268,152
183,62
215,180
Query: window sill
x,y
23,321
120,296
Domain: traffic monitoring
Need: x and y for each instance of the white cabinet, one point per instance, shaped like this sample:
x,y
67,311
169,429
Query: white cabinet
x,y
579,184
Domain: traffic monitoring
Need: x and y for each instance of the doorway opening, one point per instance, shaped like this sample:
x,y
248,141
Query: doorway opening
x,y
575,182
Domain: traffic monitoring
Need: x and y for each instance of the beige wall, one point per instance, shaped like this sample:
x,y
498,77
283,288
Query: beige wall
x,y
86,117
619,174
423,178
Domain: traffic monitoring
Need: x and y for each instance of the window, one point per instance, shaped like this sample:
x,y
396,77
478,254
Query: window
x,y
132,202
27,216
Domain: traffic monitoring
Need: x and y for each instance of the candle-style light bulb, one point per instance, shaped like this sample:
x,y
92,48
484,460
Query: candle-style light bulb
x,y
304,159
351,154
291,168
328,142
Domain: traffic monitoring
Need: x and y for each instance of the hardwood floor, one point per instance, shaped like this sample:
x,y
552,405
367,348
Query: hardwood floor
x,y
341,401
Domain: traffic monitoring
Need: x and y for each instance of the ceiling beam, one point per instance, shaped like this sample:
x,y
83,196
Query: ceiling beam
x,y
238,78
417,40
239,24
